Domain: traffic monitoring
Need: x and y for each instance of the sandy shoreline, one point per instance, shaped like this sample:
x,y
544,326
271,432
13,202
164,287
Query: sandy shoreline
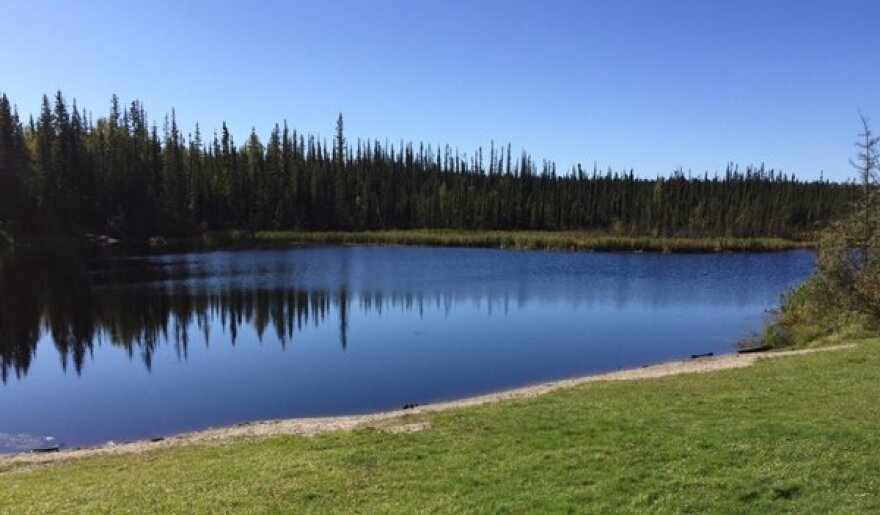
x,y
386,420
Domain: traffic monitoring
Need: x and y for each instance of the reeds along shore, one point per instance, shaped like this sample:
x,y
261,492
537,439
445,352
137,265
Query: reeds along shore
x,y
538,240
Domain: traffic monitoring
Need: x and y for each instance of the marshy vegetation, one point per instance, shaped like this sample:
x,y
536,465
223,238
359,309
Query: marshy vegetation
x,y
523,240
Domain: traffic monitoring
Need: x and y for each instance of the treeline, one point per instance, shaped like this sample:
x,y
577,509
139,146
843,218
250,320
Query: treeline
x,y
65,173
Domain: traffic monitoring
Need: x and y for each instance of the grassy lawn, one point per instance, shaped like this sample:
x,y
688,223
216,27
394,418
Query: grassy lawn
x,y
789,434
547,240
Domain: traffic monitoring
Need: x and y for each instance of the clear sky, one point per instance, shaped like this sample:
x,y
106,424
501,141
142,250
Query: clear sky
x,y
650,84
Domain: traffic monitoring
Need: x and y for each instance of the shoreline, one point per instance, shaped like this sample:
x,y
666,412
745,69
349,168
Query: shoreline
x,y
385,420
567,241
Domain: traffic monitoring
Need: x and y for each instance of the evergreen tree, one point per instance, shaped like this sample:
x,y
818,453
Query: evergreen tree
x,y
13,165
64,174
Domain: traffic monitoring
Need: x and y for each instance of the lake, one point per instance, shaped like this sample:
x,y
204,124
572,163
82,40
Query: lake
x,y
114,347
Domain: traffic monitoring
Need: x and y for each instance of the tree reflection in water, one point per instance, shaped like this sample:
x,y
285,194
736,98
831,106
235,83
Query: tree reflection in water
x,y
79,308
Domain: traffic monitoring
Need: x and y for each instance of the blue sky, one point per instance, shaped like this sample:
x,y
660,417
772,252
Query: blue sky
x,y
651,85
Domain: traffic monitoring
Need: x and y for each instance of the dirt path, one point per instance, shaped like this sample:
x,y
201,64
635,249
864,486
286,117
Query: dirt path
x,y
387,420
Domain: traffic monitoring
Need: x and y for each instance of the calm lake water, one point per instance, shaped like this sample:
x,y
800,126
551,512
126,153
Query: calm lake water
x,y
120,348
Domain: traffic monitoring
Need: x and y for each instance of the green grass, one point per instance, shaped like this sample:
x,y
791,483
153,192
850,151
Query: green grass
x,y
794,434
547,240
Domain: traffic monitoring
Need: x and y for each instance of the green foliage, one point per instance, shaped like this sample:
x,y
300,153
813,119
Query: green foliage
x,y
66,174
787,435
845,292
775,336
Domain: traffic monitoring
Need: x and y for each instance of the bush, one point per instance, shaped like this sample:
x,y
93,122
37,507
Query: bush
x,y
845,292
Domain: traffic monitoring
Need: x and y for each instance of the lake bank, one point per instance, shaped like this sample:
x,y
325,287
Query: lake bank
x,y
772,436
568,241
523,240
387,420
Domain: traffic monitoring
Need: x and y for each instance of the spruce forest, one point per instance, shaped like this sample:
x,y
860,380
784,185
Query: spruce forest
x,y
65,173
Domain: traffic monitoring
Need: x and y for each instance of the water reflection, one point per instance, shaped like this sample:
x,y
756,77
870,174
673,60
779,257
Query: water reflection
x,y
96,348
57,294
138,304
